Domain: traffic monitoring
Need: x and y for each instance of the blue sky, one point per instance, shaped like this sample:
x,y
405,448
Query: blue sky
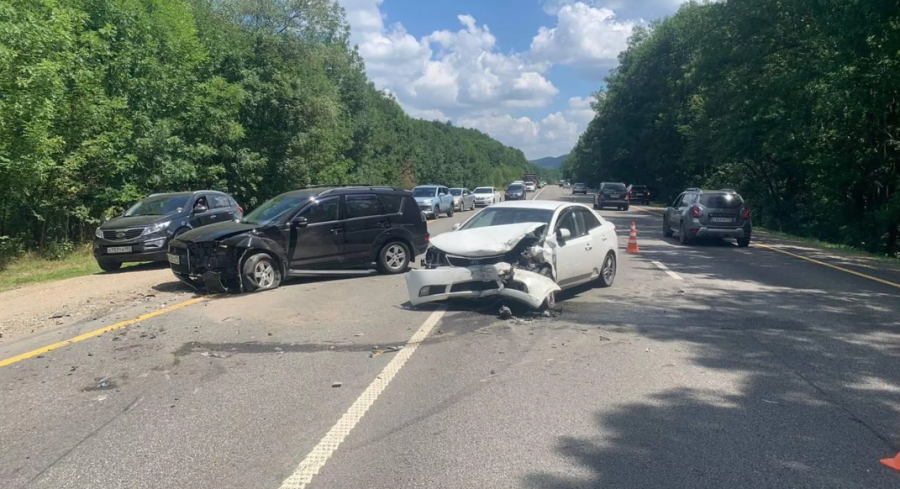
x,y
520,70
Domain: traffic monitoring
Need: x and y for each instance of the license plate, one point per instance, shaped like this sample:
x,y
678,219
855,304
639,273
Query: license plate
x,y
174,259
613,196
721,219
119,249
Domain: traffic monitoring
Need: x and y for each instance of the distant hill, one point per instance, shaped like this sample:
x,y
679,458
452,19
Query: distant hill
x,y
550,162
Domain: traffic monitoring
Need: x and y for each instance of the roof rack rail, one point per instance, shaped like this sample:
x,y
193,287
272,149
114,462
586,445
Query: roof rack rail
x,y
692,189
331,188
728,190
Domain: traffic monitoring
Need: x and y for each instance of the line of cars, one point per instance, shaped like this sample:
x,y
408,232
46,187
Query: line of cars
x,y
526,251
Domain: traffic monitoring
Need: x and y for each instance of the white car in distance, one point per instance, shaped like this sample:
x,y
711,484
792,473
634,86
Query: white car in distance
x,y
524,250
485,196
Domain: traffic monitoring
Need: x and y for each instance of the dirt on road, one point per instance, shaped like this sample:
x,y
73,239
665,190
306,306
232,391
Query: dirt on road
x,y
39,307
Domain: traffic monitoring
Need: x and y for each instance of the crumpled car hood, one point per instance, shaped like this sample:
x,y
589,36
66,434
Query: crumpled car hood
x,y
484,241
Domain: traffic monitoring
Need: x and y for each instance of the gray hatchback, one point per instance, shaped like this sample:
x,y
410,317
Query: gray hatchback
x,y
708,213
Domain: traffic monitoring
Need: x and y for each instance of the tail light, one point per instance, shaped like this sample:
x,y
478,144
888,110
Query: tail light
x,y
647,193
241,210
695,211
746,214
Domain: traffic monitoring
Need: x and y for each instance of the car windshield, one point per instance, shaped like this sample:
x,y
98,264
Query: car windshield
x,y
274,209
456,191
721,201
160,205
614,186
424,191
508,215
484,190
515,188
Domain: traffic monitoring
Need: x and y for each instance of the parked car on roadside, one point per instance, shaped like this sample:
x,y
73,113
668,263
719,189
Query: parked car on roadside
x,y
579,188
434,200
611,194
708,213
314,231
143,231
515,191
463,200
526,251
485,196
639,194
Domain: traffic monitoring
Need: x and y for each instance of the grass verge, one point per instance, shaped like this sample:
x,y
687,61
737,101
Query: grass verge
x,y
849,250
31,268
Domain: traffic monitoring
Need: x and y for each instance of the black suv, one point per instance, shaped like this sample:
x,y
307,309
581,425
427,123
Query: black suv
x,y
143,231
312,231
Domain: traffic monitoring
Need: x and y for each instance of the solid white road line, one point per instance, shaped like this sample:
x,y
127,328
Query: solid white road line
x,y
316,459
666,269
535,196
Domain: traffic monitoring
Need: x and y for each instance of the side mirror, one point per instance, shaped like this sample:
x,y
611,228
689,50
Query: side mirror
x,y
456,226
299,222
564,234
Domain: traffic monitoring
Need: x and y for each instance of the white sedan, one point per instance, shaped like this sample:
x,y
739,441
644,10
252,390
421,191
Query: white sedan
x,y
524,250
485,196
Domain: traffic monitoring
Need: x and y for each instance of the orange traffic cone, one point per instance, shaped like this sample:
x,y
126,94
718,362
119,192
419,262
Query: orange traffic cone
x,y
893,463
632,241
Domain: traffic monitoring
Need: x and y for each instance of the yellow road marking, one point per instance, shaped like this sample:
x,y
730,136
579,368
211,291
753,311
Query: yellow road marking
x,y
817,262
812,260
106,329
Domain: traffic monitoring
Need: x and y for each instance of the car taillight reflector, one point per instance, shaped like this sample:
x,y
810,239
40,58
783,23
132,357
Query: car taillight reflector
x,y
746,213
696,210
241,210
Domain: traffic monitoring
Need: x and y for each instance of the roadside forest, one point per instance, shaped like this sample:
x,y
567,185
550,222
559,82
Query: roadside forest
x,y
105,101
794,103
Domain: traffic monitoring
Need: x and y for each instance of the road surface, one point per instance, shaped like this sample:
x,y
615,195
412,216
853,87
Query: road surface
x,y
706,366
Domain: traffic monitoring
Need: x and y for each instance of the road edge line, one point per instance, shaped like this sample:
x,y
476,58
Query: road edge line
x,y
319,455
98,332
666,269
817,262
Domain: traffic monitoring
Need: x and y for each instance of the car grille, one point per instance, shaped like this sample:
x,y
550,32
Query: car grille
x,y
458,261
122,234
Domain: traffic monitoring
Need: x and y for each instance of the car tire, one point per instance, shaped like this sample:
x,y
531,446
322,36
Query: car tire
x,y
743,242
550,301
109,266
450,211
435,212
608,272
260,272
682,235
393,258
667,231
627,207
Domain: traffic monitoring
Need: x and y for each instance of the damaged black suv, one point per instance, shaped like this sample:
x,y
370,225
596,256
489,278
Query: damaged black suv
x,y
312,231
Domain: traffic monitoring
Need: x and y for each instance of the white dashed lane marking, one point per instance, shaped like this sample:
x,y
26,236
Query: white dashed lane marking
x,y
316,459
666,269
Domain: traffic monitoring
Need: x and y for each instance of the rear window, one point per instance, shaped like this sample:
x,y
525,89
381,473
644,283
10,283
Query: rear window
x,y
613,186
639,188
721,201
391,203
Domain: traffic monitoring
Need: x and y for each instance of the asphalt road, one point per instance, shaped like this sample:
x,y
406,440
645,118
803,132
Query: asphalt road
x,y
706,366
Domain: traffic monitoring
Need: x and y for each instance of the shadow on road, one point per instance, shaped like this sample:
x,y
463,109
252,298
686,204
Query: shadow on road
x,y
818,363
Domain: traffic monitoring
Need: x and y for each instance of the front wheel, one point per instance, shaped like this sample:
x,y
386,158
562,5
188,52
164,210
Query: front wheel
x,y
608,272
260,272
550,301
393,258
109,266
450,211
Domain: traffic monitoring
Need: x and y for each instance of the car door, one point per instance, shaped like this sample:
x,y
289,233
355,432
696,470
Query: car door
x,y
364,221
573,265
603,236
446,198
205,217
319,243
468,199
672,216
222,210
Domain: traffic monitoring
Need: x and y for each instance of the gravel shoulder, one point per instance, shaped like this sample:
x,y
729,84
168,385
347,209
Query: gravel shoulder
x,y
36,308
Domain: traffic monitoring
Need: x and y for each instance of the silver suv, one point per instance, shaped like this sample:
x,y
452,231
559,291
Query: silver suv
x,y
708,213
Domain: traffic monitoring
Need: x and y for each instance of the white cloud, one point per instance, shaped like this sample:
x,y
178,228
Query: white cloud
x,y
583,36
580,111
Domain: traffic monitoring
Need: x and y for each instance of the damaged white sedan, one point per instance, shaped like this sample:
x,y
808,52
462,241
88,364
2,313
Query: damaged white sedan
x,y
523,250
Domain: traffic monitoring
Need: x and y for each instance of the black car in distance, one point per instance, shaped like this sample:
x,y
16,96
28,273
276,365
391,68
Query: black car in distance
x,y
142,232
515,191
307,232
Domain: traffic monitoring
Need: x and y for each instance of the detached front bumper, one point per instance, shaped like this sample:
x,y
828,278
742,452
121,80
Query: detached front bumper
x,y
502,279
